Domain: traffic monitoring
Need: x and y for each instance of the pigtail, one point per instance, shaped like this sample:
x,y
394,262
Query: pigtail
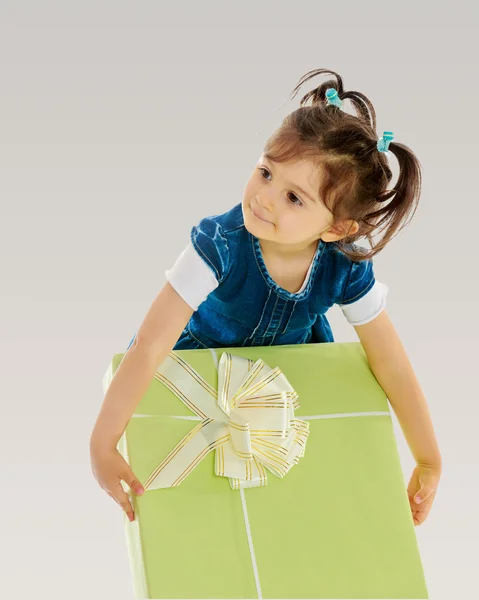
x,y
404,199
318,95
362,105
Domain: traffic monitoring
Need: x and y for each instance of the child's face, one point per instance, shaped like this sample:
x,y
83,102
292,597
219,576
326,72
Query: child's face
x,y
291,216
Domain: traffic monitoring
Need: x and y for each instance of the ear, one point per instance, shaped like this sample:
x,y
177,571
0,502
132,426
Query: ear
x,y
340,230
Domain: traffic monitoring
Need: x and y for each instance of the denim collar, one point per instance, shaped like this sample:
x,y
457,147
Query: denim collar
x,y
256,247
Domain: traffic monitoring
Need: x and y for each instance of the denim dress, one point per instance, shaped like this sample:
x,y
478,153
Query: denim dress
x,y
248,308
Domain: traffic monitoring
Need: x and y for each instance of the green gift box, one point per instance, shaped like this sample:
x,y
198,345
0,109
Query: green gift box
x,y
232,509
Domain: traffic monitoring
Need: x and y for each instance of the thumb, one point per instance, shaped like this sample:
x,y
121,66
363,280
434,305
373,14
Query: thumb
x,y
425,490
131,479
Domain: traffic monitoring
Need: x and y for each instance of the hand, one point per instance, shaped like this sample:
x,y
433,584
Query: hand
x,y
109,468
422,485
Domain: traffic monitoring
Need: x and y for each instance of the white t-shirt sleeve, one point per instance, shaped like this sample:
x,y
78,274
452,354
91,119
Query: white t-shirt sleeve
x,y
191,277
368,307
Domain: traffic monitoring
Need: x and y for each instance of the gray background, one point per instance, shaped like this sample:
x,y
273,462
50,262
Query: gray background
x,y
122,124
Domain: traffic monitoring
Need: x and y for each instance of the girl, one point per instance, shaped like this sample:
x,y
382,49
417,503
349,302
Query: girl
x,y
266,271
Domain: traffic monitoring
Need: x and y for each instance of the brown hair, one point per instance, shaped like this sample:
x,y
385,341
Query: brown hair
x,y
355,173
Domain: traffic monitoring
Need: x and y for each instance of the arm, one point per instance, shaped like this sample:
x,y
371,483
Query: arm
x,y
393,371
157,335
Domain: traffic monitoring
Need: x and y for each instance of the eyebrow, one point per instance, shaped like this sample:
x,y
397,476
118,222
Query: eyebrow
x,y
303,192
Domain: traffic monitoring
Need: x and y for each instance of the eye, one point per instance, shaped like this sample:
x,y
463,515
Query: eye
x,y
296,201
261,170
299,203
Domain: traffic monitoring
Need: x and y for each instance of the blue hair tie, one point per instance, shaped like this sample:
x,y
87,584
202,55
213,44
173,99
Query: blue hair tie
x,y
383,143
333,98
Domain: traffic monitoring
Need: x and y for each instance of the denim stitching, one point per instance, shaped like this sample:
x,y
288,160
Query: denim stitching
x,y
279,322
371,283
292,311
228,262
259,266
271,318
234,229
196,339
347,283
316,264
217,312
261,318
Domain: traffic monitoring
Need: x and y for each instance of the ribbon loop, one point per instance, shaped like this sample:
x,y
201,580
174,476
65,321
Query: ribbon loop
x,y
249,421
240,437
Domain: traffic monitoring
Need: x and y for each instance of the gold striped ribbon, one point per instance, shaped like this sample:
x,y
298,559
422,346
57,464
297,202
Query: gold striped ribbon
x,y
249,421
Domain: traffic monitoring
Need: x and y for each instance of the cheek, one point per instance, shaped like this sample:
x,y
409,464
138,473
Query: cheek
x,y
248,195
293,219
250,185
297,223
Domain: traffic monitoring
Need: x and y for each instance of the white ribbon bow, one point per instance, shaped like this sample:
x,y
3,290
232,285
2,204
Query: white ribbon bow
x,y
249,421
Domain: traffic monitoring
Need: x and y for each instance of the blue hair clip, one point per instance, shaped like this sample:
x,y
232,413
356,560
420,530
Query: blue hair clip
x,y
333,98
383,143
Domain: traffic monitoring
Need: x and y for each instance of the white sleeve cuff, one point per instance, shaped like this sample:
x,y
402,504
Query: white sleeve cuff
x,y
368,307
191,277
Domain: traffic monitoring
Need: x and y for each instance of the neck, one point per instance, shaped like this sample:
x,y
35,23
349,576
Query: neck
x,y
289,251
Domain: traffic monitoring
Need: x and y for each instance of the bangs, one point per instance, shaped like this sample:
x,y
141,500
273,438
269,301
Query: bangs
x,y
338,178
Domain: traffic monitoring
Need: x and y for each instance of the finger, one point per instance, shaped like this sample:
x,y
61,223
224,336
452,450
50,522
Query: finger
x,y
417,518
112,496
130,513
420,512
122,498
133,482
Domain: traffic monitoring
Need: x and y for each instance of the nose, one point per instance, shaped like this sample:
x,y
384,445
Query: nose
x,y
265,202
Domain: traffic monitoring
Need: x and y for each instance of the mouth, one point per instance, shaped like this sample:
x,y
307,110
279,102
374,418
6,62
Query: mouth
x,y
258,216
